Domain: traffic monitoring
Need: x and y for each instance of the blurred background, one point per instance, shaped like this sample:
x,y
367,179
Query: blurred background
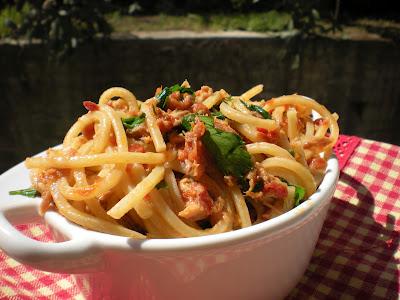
x,y
56,54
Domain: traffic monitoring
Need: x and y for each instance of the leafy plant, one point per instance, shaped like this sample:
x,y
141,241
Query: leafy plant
x,y
306,16
271,21
63,25
10,17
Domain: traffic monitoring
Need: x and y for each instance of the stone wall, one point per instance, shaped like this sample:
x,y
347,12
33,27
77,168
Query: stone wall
x,y
40,100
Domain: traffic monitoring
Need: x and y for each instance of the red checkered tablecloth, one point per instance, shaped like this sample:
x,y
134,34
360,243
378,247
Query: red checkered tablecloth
x,y
357,255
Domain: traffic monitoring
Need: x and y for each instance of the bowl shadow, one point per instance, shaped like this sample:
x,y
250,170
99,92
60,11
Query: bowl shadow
x,y
355,253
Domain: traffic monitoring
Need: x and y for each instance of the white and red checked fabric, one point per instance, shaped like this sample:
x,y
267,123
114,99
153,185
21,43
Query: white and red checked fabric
x,y
19,281
357,255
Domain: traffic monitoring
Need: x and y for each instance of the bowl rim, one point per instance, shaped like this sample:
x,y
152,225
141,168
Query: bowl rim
x,y
270,229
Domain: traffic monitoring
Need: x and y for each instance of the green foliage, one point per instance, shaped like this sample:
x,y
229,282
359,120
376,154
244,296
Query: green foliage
x,y
262,22
306,16
11,15
271,21
228,22
266,21
62,25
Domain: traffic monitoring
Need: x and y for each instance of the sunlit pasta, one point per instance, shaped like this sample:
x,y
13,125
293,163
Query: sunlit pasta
x,y
185,163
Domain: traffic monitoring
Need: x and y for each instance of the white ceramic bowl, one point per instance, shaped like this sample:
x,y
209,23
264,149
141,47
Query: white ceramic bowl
x,y
264,261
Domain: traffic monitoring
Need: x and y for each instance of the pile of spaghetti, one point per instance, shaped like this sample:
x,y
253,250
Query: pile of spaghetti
x,y
185,163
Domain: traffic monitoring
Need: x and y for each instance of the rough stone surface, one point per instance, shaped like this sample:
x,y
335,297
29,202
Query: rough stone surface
x,y
40,100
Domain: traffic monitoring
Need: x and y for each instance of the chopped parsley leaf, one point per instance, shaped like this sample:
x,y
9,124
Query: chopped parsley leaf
x,y
257,109
163,96
29,192
132,122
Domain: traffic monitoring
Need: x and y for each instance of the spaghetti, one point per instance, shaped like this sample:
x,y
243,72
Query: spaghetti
x,y
185,163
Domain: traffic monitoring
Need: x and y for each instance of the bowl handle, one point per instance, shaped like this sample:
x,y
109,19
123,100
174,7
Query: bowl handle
x,y
77,255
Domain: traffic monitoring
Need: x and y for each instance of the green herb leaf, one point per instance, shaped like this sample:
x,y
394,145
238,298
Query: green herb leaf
x,y
161,185
257,109
299,195
187,120
208,122
130,123
217,114
299,192
163,96
291,152
174,88
227,149
29,192
228,99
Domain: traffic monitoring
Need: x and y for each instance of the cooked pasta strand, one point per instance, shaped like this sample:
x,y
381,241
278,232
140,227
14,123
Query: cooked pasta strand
x,y
87,220
215,98
255,90
95,160
136,196
154,130
240,117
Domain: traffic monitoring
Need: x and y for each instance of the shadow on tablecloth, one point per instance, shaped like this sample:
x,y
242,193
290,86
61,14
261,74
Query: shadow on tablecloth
x,y
355,254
